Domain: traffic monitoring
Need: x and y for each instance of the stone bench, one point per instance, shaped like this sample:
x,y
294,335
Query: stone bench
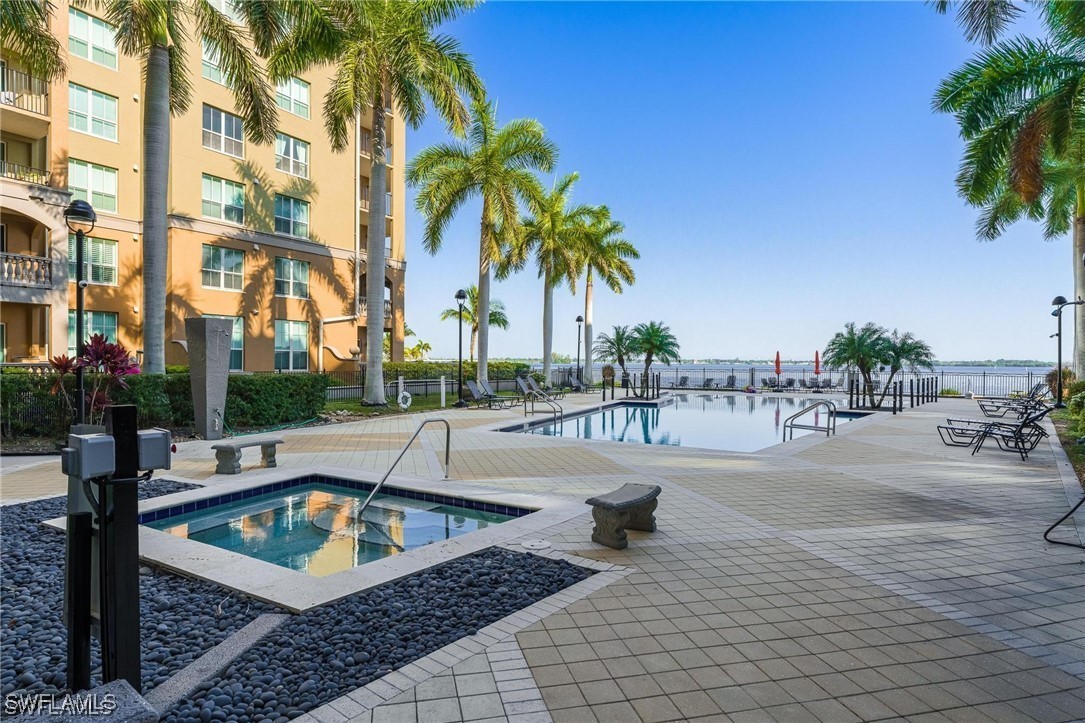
x,y
228,456
628,508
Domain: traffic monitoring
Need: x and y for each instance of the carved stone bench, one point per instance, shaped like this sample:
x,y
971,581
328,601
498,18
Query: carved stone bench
x,y
628,508
228,456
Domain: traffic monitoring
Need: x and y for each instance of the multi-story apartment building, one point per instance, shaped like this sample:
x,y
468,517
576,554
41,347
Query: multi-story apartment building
x,y
268,235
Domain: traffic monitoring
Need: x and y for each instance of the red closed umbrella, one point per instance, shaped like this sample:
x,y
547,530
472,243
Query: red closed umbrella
x,y
817,362
777,363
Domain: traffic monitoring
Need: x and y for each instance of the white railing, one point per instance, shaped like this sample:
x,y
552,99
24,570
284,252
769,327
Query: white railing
x,y
23,270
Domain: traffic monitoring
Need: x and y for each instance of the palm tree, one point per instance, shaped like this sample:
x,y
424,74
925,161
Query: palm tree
x,y
384,52
864,349
603,251
495,164
24,31
981,20
656,343
905,352
497,316
552,233
1019,105
156,33
618,347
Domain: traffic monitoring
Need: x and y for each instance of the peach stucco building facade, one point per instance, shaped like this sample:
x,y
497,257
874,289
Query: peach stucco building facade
x,y
269,235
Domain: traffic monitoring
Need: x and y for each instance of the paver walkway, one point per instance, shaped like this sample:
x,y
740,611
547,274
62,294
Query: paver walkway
x,y
874,575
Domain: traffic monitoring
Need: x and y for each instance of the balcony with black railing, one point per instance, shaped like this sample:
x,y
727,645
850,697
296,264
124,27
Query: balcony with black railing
x,y
27,174
25,92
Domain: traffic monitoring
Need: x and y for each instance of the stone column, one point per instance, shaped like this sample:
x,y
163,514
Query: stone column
x,y
209,370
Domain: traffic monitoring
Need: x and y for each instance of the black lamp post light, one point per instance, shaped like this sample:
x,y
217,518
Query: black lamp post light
x,y
80,217
579,321
1060,303
461,301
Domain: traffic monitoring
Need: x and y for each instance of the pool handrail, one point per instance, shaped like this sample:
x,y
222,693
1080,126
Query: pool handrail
x,y
555,409
829,428
402,452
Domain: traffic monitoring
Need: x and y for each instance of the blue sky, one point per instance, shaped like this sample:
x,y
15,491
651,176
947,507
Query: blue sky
x,y
777,165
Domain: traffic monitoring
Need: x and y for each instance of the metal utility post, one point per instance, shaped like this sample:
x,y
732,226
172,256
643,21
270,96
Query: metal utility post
x,y
80,217
579,321
461,298
1060,303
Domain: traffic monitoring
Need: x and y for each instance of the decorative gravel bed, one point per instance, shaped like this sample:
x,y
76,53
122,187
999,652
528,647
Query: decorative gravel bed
x,y
180,618
329,651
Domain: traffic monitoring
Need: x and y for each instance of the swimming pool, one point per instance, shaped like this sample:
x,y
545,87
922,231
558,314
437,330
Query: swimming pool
x,y
315,528
729,422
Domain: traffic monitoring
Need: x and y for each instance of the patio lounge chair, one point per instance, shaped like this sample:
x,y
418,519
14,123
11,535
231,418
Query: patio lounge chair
x,y
682,383
489,391
730,382
999,407
554,392
789,383
1021,437
708,383
480,397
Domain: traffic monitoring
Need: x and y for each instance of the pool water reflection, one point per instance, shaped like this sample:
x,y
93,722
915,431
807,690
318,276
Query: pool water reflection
x,y
731,422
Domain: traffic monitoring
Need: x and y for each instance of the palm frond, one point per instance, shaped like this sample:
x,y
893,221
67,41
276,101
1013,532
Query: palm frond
x,y
24,31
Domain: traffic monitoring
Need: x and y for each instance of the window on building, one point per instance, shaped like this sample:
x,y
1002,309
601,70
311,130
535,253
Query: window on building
x,y
209,63
92,112
291,155
91,39
222,132
99,260
223,268
237,341
292,95
93,183
291,216
223,199
291,277
94,322
227,8
291,345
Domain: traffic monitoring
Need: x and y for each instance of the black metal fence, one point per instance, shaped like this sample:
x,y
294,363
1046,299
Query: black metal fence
x,y
983,383
350,385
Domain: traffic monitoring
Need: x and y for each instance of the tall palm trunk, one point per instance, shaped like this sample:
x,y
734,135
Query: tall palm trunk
x,y
156,159
1079,281
482,313
548,326
647,368
588,288
374,264
474,342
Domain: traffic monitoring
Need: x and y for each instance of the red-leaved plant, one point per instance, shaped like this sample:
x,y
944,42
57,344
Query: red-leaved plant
x,y
105,365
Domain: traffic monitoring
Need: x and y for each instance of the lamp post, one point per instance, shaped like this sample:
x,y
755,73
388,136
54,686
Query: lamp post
x,y
461,299
579,321
80,217
1060,303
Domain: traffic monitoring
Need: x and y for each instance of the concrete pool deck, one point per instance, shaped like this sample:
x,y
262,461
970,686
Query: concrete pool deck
x,y
874,575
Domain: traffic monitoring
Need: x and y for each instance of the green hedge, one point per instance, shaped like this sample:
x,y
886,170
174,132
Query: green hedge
x,y
436,370
258,400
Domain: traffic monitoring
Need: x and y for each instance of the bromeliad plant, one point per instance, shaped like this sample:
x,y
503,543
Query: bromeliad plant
x,y
105,364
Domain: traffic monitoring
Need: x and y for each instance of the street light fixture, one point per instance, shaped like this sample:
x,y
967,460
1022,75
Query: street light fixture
x,y
461,300
80,217
579,321
1060,303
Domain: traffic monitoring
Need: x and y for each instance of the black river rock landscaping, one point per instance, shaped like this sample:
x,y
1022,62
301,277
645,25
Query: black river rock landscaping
x,y
326,652
180,618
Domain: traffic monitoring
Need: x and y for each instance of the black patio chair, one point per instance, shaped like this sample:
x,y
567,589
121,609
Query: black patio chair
x,y
514,398
682,383
708,383
730,382
554,392
1021,437
480,397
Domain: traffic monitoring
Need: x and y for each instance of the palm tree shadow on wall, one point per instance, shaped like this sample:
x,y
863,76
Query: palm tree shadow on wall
x,y
259,290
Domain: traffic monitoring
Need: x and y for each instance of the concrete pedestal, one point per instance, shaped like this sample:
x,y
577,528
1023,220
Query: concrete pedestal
x,y
209,370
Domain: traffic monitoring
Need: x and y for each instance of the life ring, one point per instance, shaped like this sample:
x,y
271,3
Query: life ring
x,y
404,400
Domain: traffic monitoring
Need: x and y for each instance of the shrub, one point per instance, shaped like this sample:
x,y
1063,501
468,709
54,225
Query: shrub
x,y
435,370
176,369
260,400
29,408
1053,380
1076,404
949,392
1075,388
